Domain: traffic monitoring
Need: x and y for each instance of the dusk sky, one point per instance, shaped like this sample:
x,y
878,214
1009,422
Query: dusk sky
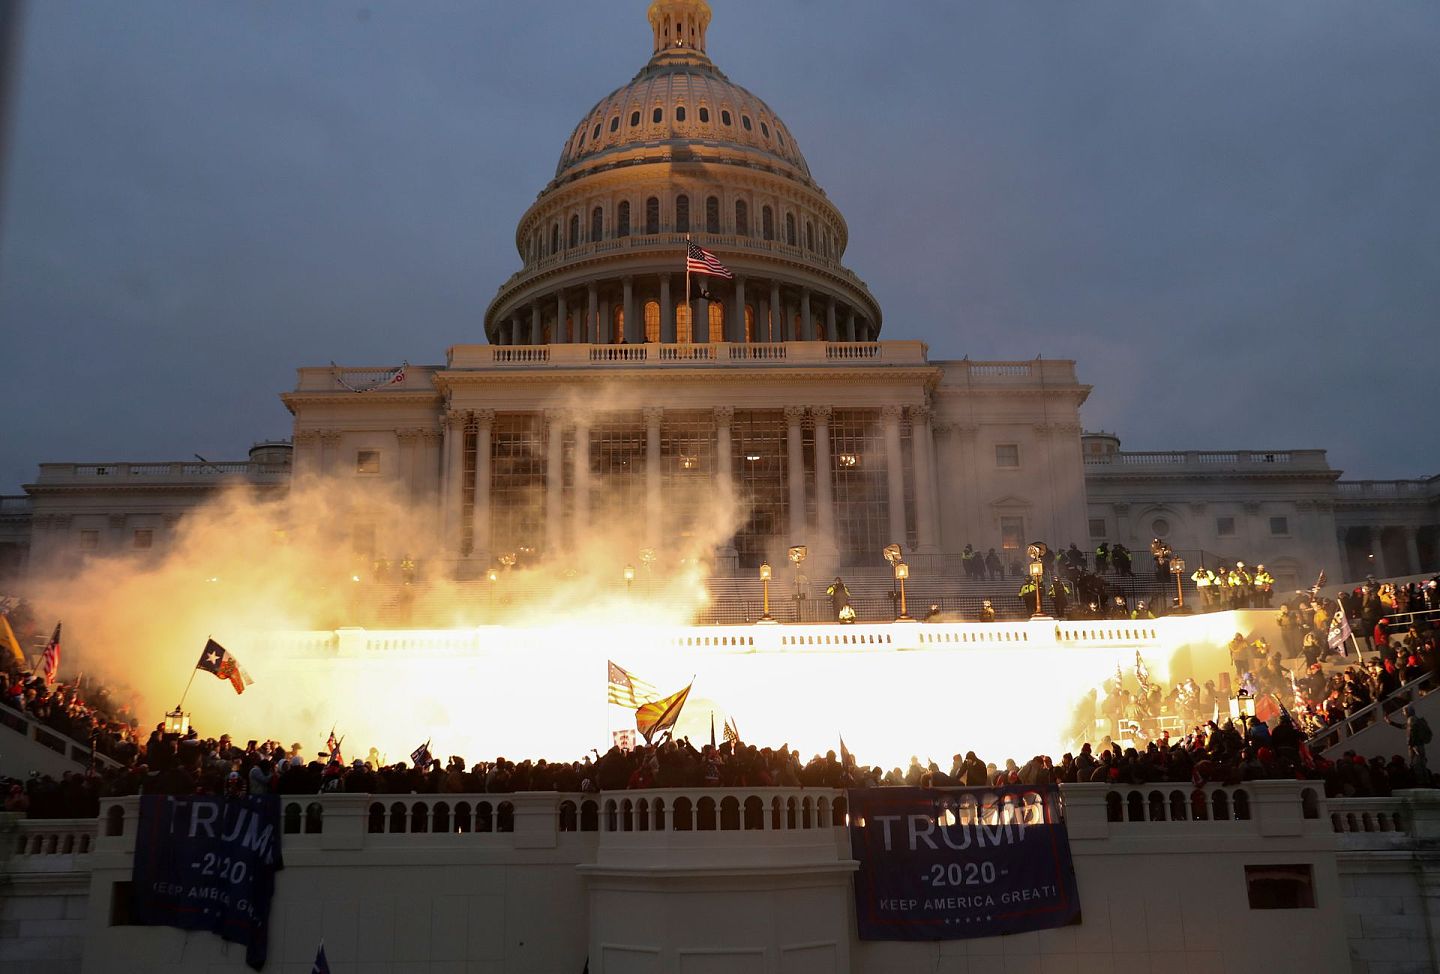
x,y
1227,212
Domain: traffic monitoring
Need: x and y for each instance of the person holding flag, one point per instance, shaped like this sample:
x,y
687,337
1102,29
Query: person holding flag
x,y
420,757
652,718
1340,632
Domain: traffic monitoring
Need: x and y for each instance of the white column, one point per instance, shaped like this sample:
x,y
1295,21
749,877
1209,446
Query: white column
x,y
632,333
831,335
795,456
454,488
560,336
824,479
536,331
724,475
667,312
653,416
894,472
591,332
927,524
1412,548
850,326
554,481
581,518
807,329
737,328
777,315
480,515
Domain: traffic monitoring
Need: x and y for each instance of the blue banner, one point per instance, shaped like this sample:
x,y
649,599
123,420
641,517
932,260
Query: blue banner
x,y
952,863
207,863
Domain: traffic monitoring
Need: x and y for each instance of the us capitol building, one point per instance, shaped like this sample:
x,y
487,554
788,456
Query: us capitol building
x,y
604,390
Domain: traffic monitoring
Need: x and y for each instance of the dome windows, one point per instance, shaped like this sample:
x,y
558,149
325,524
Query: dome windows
x,y
765,130
712,214
597,223
809,236
742,218
767,223
790,229
652,215
725,117
622,219
682,214
555,238
595,135
575,230
704,114
634,119
745,122
658,115
680,113
615,124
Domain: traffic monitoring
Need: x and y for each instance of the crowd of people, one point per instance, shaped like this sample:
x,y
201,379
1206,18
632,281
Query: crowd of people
x,y
1151,733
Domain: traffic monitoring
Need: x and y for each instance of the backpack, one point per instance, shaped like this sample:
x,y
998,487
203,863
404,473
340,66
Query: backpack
x,y
1420,731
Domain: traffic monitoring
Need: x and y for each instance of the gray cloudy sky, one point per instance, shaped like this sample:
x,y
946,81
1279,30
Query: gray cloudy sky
x,y
1227,212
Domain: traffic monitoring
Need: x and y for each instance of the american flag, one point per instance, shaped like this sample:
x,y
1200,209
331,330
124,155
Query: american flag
x,y
420,757
701,261
50,660
732,733
628,690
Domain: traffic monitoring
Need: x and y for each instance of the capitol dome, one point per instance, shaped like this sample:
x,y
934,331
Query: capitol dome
x,y
681,153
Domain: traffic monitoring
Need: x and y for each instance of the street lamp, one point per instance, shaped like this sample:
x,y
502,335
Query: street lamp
x,y
797,555
177,722
1037,579
629,577
1242,704
902,572
765,588
1177,568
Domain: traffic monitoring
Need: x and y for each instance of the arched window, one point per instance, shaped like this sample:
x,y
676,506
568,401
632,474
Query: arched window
x,y
749,323
809,236
683,331
554,238
742,218
767,223
597,223
682,214
745,121
575,230
622,219
634,119
652,215
724,117
595,134
717,321
615,123
790,229
765,130
704,114
617,320
780,136
712,214
679,113
658,114
652,321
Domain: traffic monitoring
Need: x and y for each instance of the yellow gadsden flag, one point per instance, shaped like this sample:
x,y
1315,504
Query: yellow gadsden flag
x,y
652,718
8,640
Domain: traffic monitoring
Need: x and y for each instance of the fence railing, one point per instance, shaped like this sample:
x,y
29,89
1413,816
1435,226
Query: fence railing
x,y
1373,714
50,738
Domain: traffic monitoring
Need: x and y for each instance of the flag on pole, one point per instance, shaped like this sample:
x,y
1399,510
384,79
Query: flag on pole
x,y
847,760
628,690
701,261
220,662
7,637
321,965
420,757
50,659
652,718
1142,673
732,733
712,728
332,745
1339,631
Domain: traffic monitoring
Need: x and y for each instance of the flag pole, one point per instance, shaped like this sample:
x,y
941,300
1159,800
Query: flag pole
x,y
689,311
193,670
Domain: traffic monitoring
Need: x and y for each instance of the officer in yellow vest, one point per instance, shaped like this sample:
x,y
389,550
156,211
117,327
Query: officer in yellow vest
x,y
1208,586
1264,584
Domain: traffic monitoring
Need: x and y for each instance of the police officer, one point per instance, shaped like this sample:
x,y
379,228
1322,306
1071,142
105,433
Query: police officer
x,y
1264,584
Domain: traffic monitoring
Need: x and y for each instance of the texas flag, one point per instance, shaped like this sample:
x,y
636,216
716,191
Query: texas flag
x,y
218,660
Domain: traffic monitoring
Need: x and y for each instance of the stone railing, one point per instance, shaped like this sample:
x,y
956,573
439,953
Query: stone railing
x,y
1374,713
1250,459
168,472
1385,489
49,738
702,355
15,504
37,838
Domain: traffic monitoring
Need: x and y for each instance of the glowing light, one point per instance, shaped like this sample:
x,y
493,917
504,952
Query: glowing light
x,y
848,459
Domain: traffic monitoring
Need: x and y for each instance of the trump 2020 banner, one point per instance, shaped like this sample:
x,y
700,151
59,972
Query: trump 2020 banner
x,y
951,863
208,863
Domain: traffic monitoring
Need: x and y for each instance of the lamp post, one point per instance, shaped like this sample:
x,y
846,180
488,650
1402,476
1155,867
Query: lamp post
x,y
629,577
1242,704
1037,579
902,572
765,590
797,555
1177,568
177,722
